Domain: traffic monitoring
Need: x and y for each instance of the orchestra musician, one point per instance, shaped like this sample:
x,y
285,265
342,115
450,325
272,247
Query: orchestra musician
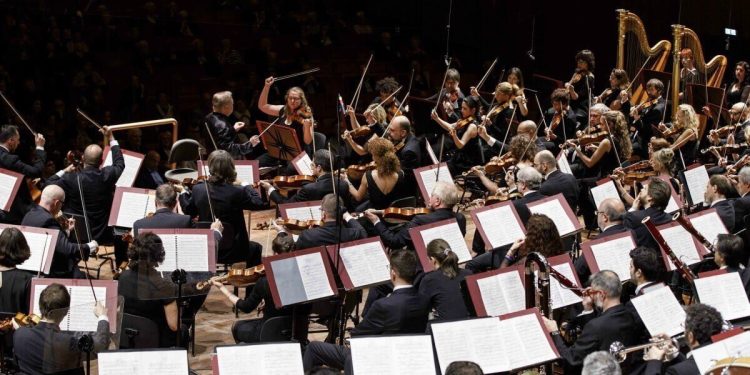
x,y
497,120
224,131
295,112
742,203
717,190
10,139
515,78
166,217
541,235
555,181
452,96
612,97
330,233
464,135
376,121
16,284
685,133
645,117
383,185
607,156
652,201
739,88
496,147
45,349
522,152
442,286
406,144
67,252
581,85
661,162
385,87
609,217
561,121
729,254
688,73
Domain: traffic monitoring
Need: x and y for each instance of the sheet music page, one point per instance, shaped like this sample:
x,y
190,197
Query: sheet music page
x,y
502,294
735,346
186,251
405,355
478,340
365,264
614,255
451,233
527,341
169,241
553,209
81,316
133,206
500,226
672,206
563,165
282,359
709,225
681,242
304,213
245,173
725,293
428,178
697,181
304,165
560,295
313,275
162,362
7,182
38,245
660,312
604,191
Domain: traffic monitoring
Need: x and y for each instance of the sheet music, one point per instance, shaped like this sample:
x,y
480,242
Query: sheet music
x,y
7,182
527,342
451,233
563,165
304,213
697,181
245,173
366,263
660,311
185,251
725,293
303,165
614,255
134,206
162,362
81,315
478,340
313,275
500,226
735,346
405,355
130,173
502,294
38,243
554,210
428,178
282,359
604,191
681,242
709,225
672,206
561,296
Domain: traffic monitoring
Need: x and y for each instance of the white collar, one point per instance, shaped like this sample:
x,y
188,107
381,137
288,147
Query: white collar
x,y
717,201
395,288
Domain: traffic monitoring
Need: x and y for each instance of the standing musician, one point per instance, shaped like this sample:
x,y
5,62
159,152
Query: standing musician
x,y
685,133
612,97
739,89
224,134
406,144
16,284
9,141
385,184
67,253
328,233
581,85
376,122
688,72
647,115
295,113
464,135
560,119
385,87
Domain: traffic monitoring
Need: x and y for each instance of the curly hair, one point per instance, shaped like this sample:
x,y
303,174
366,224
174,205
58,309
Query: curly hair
x,y
657,144
521,149
146,251
380,146
14,249
703,321
386,85
687,118
542,236
618,127
388,164
377,112
621,76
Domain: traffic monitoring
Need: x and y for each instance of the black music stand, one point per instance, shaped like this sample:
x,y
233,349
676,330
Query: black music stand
x,y
280,141
700,96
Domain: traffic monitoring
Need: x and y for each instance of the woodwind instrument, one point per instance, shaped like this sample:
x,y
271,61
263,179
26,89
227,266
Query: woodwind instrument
x,y
685,223
545,303
681,267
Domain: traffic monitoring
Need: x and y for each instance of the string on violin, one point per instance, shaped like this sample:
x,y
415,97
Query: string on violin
x,y
355,97
333,180
89,119
18,115
313,70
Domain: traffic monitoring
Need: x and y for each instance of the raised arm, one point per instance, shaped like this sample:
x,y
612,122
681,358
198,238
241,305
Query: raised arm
x,y
263,105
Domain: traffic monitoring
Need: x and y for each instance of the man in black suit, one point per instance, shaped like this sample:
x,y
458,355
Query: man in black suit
x,y
9,141
407,145
645,120
654,198
646,269
403,311
613,324
715,197
701,322
555,181
609,218
149,176
314,191
223,128
67,253
442,200
44,349
328,233
742,204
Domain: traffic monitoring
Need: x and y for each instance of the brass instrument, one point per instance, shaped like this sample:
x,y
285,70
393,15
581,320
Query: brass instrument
x,y
620,352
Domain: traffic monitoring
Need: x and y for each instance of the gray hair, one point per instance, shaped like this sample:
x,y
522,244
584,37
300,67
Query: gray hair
x,y
600,107
221,98
600,363
446,192
166,195
530,176
744,175
608,282
613,208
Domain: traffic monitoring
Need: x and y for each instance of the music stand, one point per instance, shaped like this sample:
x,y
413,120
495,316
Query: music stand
x,y
280,141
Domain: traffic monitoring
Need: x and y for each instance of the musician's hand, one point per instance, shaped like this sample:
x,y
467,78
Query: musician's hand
x,y
591,147
477,171
217,284
346,136
516,245
93,247
473,91
452,131
551,135
254,140
347,216
482,130
39,140
550,324
655,353
707,111
107,132
635,114
70,168
71,223
520,99
349,110
265,184
100,309
713,137
269,81
307,122
434,115
448,107
723,162
662,126
370,215
238,125
217,225
624,96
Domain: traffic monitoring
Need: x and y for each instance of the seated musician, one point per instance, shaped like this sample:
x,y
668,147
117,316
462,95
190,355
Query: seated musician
x,y
67,251
606,155
385,88
609,218
442,200
10,139
542,236
581,85
613,324
147,293
463,133
376,122
741,204
44,349
646,270
612,97
442,287
647,116
453,97
729,255
16,284
701,322
404,311
224,127
733,133
328,233
523,150
226,201
715,196
684,131
599,363
555,181
498,118
661,162
295,113
406,144
560,121
382,186
249,330
496,146
651,202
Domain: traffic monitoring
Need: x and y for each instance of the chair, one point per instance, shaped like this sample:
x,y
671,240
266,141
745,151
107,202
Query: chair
x,y
184,150
278,328
139,332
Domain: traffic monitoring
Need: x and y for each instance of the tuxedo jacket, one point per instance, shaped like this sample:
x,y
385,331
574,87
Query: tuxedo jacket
x,y
403,311
67,253
559,182
633,220
328,234
399,237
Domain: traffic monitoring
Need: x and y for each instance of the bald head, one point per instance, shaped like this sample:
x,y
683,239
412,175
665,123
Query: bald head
x,y
611,212
51,195
527,127
92,155
545,162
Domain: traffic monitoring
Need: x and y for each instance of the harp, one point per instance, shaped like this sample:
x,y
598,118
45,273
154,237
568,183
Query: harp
x,y
709,73
634,53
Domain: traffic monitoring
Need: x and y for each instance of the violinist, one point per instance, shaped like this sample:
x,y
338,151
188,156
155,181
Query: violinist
x,y
652,202
385,87
224,134
684,131
328,233
611,97
739,89
406,144
560,120
249,330
581,85
452,97
376,121
525,128
464,136
67,251
295,112
607,156
733,132
497,120
521,151
515,78
10,139
16,284
661,163
385,184
647,115
555,181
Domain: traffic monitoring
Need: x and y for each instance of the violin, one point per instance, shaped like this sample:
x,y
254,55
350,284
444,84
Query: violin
x,y
393,111
462,123
647,104
745,160
604,94
725,130
21,319
734,148
295,225
498,109
236,277
638,176
576,77
587,139
356,171
499,164
501,196
363,132
292,182
299,115
402,213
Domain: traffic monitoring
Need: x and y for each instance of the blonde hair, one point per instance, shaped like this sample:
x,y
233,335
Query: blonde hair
x,y
618,127
663,157
378,112
686,117
221,99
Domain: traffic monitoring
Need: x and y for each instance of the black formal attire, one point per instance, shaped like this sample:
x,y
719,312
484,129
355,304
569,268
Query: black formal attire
x,y
15,290
650,118
679,366
467,156
328,234
583,87
22,203
404,311
565,130
399,237
146,293
147,179
162,218
410,154
582,268
249,330
737,94
633,220
44,349
222,131
379,200
445,294
67,253
559,182
612,97
520,204
316,191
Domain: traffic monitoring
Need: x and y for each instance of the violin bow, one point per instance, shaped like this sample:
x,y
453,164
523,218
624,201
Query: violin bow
x,y
89,119
380,104
83,206
355,97
637,74
313,70
411,80
18,115
612,140
664,115
208,191
80,251
442,86
330,161
486,74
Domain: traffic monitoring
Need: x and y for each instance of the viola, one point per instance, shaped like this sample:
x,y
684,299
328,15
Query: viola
x,y
498,109
638,176
356,171
236,277
501,196
403,214
298,225
462,123
735,147
725,130
647,104
299,115
292,182
499,164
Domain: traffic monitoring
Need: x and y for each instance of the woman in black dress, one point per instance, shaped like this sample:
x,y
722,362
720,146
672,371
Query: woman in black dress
x,y
384,184
443,285
739,89
16,284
